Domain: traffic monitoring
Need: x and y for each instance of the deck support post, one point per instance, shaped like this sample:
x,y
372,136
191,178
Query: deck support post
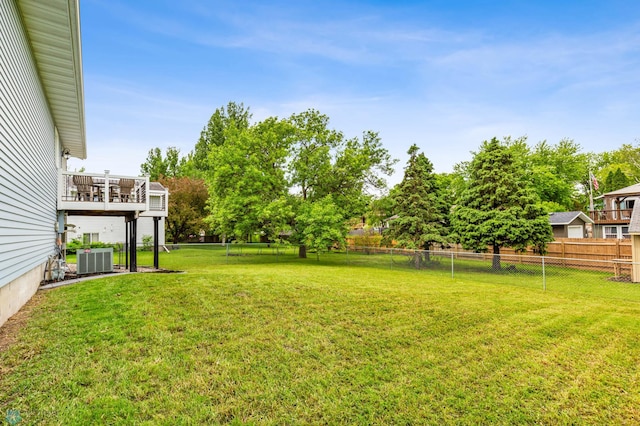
x,y
156,260
133,238
126,243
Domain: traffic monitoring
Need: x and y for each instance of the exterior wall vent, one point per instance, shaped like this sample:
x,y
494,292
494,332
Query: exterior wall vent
x,y
93,261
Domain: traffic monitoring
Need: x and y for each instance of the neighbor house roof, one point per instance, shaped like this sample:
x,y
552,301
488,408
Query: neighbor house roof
x,y
565,218
53,29
624,192
156,186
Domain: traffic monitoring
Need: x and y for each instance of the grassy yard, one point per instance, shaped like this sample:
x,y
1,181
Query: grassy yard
x,y
245,339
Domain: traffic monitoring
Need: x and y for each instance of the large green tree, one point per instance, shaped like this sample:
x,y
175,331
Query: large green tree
x,y
499,208
626,158
234,116
158,166
296,176
556,171
247,184
421,210
326,168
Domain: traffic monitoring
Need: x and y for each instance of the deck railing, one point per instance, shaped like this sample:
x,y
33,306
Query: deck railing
x,y
611,216
93,191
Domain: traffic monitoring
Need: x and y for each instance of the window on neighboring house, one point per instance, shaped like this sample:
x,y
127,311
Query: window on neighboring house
x,y
89,238
625,232
611,232
620,232
156,202
626,207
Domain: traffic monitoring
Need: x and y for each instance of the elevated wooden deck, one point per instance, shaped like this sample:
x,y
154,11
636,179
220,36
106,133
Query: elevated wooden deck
x,y
92,194
611,217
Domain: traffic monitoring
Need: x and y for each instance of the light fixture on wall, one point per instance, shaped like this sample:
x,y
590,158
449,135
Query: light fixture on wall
x,y
66,154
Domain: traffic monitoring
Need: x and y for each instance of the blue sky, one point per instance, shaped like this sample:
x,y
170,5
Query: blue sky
x,y
444,75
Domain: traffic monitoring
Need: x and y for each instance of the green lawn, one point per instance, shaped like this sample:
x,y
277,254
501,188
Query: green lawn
x,y
246,339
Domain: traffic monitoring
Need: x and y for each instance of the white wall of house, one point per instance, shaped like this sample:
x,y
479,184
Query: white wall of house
x,y
28,172
111,229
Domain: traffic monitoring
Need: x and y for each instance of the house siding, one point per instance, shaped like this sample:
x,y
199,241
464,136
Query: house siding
x,y
112,229
559,231
28,174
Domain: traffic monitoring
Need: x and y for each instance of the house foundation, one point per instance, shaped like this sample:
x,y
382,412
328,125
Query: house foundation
x,y
18,292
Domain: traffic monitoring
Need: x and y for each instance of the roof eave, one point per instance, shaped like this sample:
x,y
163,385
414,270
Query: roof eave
x,y
53,28
629,191
634,225
581,215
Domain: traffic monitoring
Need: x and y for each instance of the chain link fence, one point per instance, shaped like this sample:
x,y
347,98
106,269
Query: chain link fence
x,y
603,277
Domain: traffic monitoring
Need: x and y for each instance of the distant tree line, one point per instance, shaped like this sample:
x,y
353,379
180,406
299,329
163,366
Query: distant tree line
x,y
298,179
293,178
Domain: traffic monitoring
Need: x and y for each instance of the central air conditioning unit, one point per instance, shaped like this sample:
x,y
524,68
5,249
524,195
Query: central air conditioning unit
x,y
93,261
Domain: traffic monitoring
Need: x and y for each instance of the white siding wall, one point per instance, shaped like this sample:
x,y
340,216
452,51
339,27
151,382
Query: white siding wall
x,y
28,176
112,229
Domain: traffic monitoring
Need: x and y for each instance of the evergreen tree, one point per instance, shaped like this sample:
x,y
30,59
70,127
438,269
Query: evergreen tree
x,y
498,208
616,180
422,213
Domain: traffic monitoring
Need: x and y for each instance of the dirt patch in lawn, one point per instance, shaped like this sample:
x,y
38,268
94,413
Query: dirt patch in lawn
x,y
10,330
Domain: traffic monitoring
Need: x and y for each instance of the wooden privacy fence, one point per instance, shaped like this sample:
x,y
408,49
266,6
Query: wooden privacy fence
x,y
568,248
582,248
619,267
602,254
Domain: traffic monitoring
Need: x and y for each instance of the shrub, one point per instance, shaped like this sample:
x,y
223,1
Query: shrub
x,y
147,241
77,244
367,240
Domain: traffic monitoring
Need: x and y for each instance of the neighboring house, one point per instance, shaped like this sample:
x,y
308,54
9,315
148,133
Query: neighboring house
x,y
41,117
634,231
386,223
612,221
570,224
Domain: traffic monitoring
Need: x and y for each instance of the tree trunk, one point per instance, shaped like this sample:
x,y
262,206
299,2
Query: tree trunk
x,y
302,252
495,264
427,253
